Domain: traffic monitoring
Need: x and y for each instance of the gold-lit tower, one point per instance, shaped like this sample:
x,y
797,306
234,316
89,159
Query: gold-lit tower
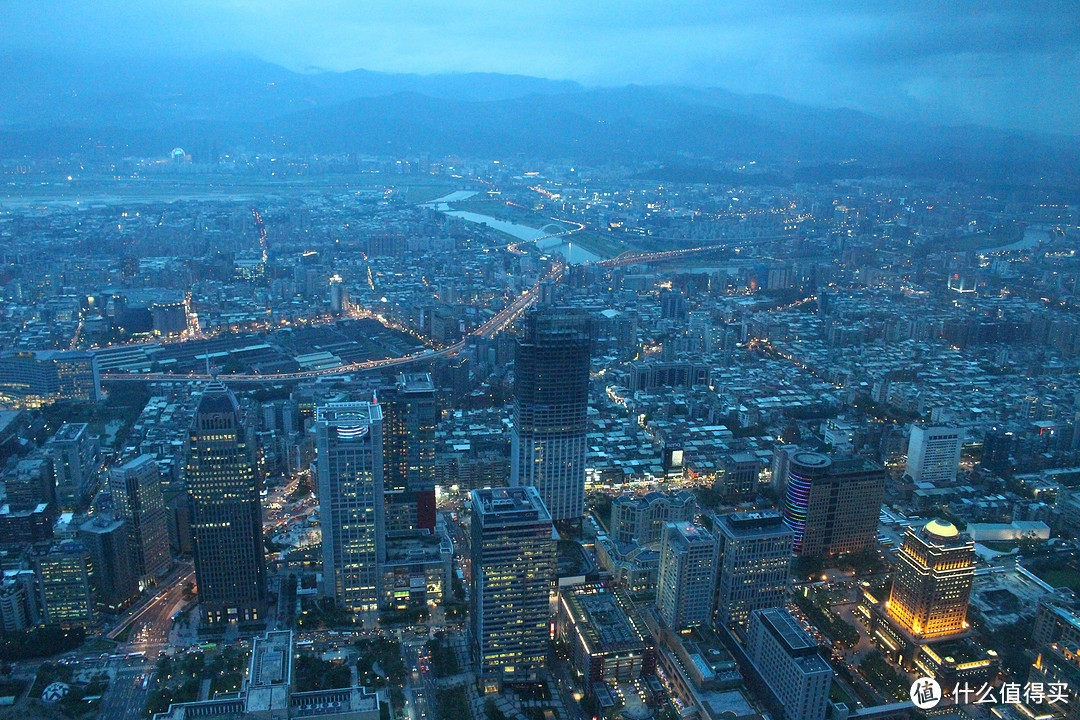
x,y
932,583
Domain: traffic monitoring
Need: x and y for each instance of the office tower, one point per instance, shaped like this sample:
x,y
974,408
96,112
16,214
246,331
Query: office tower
x,y
787,660
74,454
933,453
641,518
136,493
997,449
686,581
114,581
673,305
832,505
348,440
18,601
740,478
31,483
30,379
409,419
226,515
551,402
781,466
513,570
755,559
932,581
65,595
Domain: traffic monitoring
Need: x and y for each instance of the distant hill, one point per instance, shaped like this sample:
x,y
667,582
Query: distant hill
x,y
53,106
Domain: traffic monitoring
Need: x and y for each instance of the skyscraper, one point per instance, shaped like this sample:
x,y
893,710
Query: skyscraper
x,y
551,403
932,582
136,492
686,581
348,437
933,453
114,580
513,569
787,659
804,469
63,581
833,505
409,419
226,516
755,559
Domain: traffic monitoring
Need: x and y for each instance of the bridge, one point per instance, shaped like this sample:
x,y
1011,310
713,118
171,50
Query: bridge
x,y
489,329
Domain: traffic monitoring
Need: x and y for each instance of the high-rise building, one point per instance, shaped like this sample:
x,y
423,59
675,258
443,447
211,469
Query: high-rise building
x,y
513,570
18,601
787,659
409,419
551,403
31,483
932,581
114,580
31,379
805,468
226,515
754,563
641,518
740,478
65,593
74,454
137,498
832,505
349,443
933,453
686,581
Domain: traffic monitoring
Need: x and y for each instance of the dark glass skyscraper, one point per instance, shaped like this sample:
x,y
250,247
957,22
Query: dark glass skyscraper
x,y
136,492
226,515
409,419
551,402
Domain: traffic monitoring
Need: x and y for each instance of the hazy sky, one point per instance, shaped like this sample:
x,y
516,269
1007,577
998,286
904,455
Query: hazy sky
x,y
1006,64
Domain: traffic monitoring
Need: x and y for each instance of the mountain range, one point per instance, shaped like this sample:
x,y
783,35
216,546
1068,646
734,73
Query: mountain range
x,y
56,105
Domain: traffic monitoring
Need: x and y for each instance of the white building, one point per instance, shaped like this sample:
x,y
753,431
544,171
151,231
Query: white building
x,y
933,453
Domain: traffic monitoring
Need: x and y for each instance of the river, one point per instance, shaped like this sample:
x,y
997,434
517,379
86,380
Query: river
x,y
563,244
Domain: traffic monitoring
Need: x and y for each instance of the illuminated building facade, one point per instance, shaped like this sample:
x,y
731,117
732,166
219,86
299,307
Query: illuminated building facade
x,y
932,582
513,569
29,380
607,640
754,564
348,439
804,468
65,595
551,403
225,511
832,505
